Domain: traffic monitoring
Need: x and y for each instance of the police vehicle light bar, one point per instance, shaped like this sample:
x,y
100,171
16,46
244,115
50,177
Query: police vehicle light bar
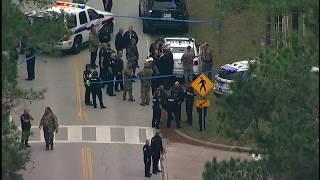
x,y
67,4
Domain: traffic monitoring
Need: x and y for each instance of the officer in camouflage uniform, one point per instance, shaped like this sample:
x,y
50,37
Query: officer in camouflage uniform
x,y
187,60
145,74
128,74
49,123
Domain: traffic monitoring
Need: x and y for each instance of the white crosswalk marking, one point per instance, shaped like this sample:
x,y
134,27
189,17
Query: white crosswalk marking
x,y
131,135
76,134
103,134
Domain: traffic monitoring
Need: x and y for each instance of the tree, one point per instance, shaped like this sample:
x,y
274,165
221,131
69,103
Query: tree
x,y
15,25
277,105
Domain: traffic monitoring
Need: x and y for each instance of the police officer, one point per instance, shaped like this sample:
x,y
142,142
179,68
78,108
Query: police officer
x,y
179,92
199,110
128,74
87,74
157,150
31,61
156,109
189,94
171,107
25,127
147,158
111,69
118,66
96,84
104,55
145,74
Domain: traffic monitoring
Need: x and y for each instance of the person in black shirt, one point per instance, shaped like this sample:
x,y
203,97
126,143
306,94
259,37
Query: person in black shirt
x,y
118,69
189,94
156,109
119,41
86,80
171,107
96,84
179,92
147,158
104,35
31,61
25,126
157,150
111,75
128,35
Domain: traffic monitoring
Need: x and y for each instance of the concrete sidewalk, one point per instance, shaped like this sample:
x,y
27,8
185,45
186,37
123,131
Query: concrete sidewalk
x,y
185,160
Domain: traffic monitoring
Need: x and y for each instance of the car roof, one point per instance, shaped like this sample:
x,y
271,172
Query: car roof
x,y
238,66
68,7
179,41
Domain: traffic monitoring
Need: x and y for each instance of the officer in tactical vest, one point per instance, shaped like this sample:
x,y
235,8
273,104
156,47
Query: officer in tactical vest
x,y
171,107
189,94
111,74
146,75
179,93
156,109
128,74
96,85
87,74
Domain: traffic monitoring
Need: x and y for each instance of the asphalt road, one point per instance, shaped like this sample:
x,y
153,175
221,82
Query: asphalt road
x,y
93,143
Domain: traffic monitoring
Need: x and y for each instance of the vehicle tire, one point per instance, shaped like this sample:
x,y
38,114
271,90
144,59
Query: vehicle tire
x,y
77,44
145,27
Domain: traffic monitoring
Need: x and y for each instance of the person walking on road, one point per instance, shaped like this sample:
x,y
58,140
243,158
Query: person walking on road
x,y
118,66
157,151
25,127
87,74
133,55
207,59
129,35
147,158
189,94
156,114
145,76
187,60
128,74
31,62
93,46
49,123
96,84
119,41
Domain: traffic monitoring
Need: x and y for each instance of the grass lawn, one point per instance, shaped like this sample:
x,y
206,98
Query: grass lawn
x,y
229,46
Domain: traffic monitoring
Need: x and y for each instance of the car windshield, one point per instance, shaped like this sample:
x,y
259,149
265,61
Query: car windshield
x,y
179,49
231,75
71,21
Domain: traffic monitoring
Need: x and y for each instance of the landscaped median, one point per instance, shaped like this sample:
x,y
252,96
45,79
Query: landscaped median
x,y
210,137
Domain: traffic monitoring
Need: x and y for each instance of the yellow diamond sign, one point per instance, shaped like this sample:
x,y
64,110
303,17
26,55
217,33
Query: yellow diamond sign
x,y
203,85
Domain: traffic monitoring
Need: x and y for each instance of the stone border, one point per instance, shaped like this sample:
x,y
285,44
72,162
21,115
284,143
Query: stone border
x,y
214,145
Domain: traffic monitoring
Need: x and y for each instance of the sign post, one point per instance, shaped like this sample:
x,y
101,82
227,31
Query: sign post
x,y
203,85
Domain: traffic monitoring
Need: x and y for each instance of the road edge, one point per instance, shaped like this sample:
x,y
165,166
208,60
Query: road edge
x,y
214,145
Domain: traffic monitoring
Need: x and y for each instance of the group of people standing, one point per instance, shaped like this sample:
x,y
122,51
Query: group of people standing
x,y
111,65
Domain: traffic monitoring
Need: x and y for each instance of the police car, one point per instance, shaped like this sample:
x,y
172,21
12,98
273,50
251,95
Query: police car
x,y
178,47
79,18
225,78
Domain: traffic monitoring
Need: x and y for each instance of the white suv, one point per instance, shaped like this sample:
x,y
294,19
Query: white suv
x,y
225,78
178,47
78,19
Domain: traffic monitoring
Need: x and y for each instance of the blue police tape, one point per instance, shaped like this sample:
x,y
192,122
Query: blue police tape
x,y
26,59
130,79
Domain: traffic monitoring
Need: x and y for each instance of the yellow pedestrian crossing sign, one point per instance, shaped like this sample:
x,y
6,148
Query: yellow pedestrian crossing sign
x,y
203,85
202,103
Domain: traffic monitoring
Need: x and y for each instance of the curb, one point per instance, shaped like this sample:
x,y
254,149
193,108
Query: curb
x,y
214,145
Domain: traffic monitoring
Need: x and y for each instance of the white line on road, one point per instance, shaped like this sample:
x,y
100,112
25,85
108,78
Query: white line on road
x,y
103,135
131,135
75,134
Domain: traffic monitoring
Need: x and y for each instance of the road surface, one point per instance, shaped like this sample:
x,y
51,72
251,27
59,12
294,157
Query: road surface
x,y
101,144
